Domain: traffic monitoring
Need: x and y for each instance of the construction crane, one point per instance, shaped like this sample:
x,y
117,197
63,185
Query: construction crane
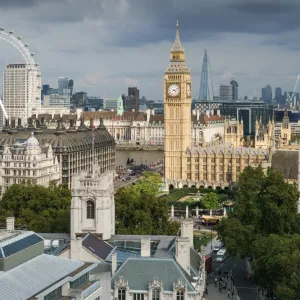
x,y
291,100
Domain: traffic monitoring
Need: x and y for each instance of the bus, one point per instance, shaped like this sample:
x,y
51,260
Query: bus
x,y
221,255
210,220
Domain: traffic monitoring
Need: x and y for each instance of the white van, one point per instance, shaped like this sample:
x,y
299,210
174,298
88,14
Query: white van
x,y
221,255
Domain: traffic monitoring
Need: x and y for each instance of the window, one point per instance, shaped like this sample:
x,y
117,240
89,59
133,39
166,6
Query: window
x,y
54,295
138,296
121,294
79,281
155,295
180,295
90,210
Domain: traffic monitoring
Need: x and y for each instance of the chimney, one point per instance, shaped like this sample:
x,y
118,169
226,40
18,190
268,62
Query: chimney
x,y
187,230
207,113
37,123
91,123
145,247
76,246
183,253
194,112
19,123
71,123
113,263
10,223
198,114
42,120
218,112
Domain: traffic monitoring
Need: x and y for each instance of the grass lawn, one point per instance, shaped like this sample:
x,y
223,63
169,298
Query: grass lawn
x,y
201,239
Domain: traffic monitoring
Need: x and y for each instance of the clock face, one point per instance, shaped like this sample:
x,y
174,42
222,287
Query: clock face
x,y
188,90
173,90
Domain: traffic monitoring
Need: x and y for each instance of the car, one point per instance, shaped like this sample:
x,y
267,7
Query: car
x,y
216,248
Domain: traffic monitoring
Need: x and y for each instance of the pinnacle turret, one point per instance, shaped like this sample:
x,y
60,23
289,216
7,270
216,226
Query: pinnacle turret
x,y
177,47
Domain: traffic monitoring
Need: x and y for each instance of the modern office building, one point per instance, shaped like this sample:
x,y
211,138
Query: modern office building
x,y
278,96
21,91
226,92
132,100
110,104
66,85
73,147
266,94
56,100
79,99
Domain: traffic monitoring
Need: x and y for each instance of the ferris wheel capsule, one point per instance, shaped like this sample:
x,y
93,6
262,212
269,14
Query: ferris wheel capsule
x,y
26,45
2,29
11,32
32,54
19,37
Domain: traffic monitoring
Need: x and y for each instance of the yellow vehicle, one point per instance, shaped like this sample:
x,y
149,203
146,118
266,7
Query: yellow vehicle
x,y
210,220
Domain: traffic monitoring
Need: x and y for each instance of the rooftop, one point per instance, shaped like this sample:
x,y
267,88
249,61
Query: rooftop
x,y
140,271
35,275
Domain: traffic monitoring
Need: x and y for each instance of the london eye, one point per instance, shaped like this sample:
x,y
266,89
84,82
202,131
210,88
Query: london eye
x,y
32,104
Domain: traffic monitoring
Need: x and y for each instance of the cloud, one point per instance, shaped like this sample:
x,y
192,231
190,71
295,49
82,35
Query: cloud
x,y
111,44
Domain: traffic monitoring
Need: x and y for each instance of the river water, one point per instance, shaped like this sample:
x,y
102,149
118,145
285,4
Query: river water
x,y
139,157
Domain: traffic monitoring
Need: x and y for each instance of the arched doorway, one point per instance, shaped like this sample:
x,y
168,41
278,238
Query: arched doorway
x,y
171,187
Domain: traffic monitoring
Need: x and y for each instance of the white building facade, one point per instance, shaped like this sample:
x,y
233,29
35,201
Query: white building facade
x,y
28,162
22,91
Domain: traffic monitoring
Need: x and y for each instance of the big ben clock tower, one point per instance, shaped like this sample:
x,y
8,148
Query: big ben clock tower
x,y
177,113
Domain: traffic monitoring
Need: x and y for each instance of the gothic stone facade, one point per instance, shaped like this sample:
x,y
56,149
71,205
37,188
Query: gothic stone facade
x,y
216,166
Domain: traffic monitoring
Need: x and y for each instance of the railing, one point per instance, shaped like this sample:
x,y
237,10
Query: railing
x,y
88,288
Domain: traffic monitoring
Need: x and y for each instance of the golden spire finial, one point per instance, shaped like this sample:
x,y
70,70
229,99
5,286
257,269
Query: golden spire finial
x,y
177,24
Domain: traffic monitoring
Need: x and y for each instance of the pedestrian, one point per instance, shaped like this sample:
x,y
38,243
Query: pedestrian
x,y
228,294
206,291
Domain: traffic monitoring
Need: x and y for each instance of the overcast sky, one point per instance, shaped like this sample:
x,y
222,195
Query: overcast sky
x,y
108,45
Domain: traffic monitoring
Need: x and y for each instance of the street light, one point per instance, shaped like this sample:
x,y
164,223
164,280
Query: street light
x,y
211,236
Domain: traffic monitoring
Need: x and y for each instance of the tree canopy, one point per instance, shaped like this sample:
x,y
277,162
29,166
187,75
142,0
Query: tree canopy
x,y
264,225
138,211
210,201
41,209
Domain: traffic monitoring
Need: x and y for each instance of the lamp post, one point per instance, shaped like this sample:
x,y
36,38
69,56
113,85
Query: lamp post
x,y
211,237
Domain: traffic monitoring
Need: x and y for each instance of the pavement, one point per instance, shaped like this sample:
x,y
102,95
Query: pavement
x,y
209,247
245,288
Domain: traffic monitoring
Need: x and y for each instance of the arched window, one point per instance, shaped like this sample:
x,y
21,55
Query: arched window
x,y
180,295
90,210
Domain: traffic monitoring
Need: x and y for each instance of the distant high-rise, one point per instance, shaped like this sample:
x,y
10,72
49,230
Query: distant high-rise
x,y
66,84
235,87
19,92
132,101
205,92
229,92
266,94
278,95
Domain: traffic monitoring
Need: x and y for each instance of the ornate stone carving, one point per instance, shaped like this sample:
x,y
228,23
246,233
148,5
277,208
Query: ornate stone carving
x,y
156,284
179,284
121,283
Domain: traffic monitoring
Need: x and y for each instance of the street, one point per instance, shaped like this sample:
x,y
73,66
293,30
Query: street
x,y
237,266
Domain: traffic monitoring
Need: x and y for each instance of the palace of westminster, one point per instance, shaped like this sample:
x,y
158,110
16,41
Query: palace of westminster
x,y
201,150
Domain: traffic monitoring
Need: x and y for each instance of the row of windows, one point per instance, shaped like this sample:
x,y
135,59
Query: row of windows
x,y
155,295
213,160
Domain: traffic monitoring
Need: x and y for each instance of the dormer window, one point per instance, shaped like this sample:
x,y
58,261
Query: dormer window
x,y
156,294
180,295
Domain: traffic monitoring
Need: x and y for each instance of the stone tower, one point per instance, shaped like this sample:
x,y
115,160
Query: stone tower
x,y
177,113
93,205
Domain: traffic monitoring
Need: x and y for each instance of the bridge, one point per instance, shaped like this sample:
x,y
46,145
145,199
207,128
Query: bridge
x,y
134,147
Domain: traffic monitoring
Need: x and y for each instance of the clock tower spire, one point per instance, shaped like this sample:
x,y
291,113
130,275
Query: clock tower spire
x,y
177,113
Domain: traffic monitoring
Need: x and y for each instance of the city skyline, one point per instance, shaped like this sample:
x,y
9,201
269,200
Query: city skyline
x,y
109,46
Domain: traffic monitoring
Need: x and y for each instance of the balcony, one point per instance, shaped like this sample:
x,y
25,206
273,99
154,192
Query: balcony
x,y
87,289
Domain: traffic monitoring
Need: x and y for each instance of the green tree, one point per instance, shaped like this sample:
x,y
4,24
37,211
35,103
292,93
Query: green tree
x,y
264,225
138,211
210,201
41,209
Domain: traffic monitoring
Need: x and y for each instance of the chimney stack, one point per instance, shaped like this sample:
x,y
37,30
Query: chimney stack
x,y
113,263
183,253
187,230
10,223
145,247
